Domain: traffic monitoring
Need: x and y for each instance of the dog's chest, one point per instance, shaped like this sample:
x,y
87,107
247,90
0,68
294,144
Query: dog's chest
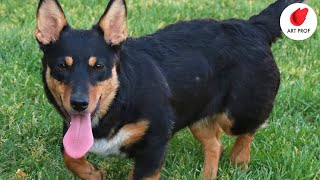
x,y
112,146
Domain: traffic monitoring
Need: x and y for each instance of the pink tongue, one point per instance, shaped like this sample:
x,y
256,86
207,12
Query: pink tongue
x,y
79,139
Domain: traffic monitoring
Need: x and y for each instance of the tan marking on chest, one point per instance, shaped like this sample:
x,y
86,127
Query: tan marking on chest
x,y
126,136
137,131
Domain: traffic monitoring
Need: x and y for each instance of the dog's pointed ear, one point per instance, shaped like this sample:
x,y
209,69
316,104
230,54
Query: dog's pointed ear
x,y
113,22
50,21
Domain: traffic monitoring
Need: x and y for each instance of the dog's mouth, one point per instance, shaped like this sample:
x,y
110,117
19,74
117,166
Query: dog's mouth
x,y
79,137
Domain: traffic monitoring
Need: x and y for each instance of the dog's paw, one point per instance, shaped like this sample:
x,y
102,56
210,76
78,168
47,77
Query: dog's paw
x,y
240,153
93,174
240,158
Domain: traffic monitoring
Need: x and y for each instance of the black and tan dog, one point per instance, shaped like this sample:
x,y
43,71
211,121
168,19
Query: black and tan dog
x,y
128,96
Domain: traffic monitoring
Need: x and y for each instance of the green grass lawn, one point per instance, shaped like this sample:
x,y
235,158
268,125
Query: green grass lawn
x,y
30,129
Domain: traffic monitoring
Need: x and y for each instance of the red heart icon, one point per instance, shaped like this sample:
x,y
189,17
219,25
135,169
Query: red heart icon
x,y
298,17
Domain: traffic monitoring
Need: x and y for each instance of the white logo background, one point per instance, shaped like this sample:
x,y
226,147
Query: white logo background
x,y
303,31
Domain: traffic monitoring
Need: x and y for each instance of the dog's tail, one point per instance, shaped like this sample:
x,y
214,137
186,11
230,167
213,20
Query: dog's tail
x,y
269,19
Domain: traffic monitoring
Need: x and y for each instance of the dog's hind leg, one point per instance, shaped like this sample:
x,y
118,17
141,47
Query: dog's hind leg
x,y
208,133
82,168
240,153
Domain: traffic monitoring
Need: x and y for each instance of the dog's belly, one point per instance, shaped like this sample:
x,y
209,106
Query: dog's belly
x,y
107,147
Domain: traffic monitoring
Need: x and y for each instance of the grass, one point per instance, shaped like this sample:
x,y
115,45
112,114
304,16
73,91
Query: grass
x,y
30,131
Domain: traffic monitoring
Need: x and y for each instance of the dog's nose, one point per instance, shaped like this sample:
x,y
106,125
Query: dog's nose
x,y
79,104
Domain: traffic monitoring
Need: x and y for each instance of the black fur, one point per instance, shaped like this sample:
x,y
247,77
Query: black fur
x,y
177,76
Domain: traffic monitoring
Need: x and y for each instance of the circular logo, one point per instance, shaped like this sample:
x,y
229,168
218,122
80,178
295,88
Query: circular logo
x,y
298,21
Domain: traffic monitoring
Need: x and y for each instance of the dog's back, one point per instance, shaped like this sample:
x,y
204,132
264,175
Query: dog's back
x,y
214,67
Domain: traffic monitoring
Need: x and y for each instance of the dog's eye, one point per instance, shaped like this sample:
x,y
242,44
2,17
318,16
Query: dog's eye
x,y
98,66
62,66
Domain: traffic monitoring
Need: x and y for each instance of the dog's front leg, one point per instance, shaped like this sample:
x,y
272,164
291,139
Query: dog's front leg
x,y
82,168
148,164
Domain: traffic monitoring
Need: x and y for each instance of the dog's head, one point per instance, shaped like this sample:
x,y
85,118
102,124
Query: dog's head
x,y
80,65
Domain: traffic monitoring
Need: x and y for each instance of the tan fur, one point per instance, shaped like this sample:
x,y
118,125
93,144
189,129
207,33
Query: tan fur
x,y
138,130
69,60
106,90
114,23
82,168
50,22
60,91
155,176
92,61
225,123
130,176
240,153
208,133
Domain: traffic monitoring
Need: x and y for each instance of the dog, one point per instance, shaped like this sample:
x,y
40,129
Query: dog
x,y
128,96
